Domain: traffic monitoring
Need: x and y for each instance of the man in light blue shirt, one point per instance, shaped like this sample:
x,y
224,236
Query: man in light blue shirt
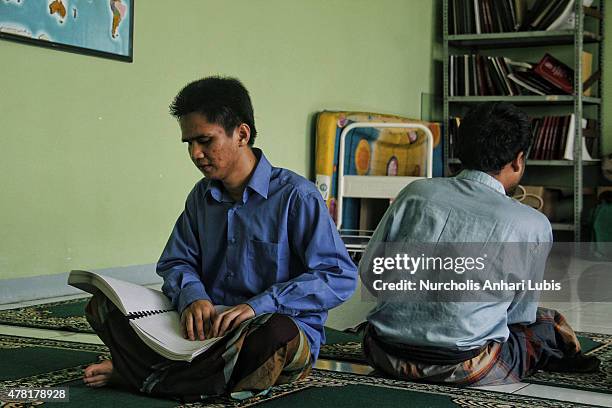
x,y
472,341
253,237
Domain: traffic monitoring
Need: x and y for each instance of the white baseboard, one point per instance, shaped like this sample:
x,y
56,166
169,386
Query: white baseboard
x,y
48,286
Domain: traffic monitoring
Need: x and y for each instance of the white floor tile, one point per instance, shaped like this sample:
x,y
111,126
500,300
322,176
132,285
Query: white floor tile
x,y
592,328
565,394
30,332
80,338
506,389
52,300
344,367
562,307
7,306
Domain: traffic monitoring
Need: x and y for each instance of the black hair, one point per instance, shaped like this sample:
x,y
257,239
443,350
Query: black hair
x,y
222,100
491,135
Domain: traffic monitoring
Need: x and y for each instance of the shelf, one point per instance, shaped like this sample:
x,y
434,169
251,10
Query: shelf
x,y
558,226
522,39
525,99
562,163
376,186
569,174
566,163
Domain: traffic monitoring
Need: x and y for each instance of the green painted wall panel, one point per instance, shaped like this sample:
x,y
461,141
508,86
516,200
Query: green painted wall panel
x,y
92,173
607,80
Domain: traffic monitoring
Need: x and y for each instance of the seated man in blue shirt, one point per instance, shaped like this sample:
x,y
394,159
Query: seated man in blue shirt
x,y
477,341
253,237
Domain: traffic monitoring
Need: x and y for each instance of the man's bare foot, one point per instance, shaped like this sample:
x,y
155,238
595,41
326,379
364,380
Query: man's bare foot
x,y
98,375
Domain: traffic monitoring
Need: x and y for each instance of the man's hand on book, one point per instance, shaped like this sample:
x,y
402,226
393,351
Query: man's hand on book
x,y
197,320
231,318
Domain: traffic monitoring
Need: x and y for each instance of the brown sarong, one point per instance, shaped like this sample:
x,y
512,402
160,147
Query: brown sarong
x,y
269,350
528,349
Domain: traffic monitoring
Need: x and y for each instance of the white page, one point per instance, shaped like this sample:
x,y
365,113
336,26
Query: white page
x,y
138,298
129,297
165,330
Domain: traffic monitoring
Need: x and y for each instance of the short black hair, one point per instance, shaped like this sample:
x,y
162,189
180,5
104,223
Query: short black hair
x,y
222,100
491,135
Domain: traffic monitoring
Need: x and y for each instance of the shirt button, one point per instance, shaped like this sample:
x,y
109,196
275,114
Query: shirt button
x,y
232,240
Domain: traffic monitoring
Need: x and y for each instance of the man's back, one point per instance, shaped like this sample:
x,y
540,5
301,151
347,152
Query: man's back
x,y
469,208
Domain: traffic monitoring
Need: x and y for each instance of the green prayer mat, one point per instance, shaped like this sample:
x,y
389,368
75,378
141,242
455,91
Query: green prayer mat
x,y
342,346
52,363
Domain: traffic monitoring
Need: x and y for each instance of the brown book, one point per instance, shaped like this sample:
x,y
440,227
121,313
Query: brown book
x,y
541,153
539,144
487,75
488,21
587,71
535,125
562,138
475,76
552,137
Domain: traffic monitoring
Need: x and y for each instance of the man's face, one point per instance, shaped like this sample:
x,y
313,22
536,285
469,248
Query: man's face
x,y
211,149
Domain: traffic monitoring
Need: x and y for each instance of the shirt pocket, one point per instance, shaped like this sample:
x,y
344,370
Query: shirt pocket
x,y
269,265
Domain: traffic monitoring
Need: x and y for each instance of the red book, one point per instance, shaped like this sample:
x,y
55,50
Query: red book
x,y
556,72
536,151
552,137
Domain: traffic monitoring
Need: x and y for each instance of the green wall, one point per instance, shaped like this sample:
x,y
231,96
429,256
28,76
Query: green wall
x,y
92,173
607,80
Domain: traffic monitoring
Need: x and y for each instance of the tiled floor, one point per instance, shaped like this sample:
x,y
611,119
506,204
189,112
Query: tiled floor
x,y
593,317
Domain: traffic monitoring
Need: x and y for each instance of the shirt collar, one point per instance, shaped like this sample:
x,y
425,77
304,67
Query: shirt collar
x,y
259,182
215,189
483,178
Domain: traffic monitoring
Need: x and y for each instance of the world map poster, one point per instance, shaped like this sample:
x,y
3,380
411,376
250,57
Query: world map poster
x,y
98,27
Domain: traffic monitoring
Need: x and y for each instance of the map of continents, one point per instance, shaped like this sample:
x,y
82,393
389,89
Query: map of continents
x,y
102,25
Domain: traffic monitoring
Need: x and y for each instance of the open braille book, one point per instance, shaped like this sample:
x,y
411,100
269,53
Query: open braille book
x,y
150,314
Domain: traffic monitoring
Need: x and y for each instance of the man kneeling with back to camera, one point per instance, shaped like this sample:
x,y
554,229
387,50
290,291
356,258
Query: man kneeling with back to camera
x,y
252,236
474,342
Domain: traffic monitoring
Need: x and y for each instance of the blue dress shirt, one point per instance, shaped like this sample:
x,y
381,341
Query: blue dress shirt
x,y
277,250
469,208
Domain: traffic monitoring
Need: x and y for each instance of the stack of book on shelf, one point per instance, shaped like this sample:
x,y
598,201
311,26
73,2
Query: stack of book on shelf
x,y
552,138
498,16
549,135
481,75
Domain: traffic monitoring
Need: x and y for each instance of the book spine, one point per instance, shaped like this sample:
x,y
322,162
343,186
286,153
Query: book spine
x,y
552,135
451,75
507,71
537,154
512,9
490,87
482,84
502,77
477,17
519,10
469,12
466,74
475,76
498,86
487,16
535,128
560,148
